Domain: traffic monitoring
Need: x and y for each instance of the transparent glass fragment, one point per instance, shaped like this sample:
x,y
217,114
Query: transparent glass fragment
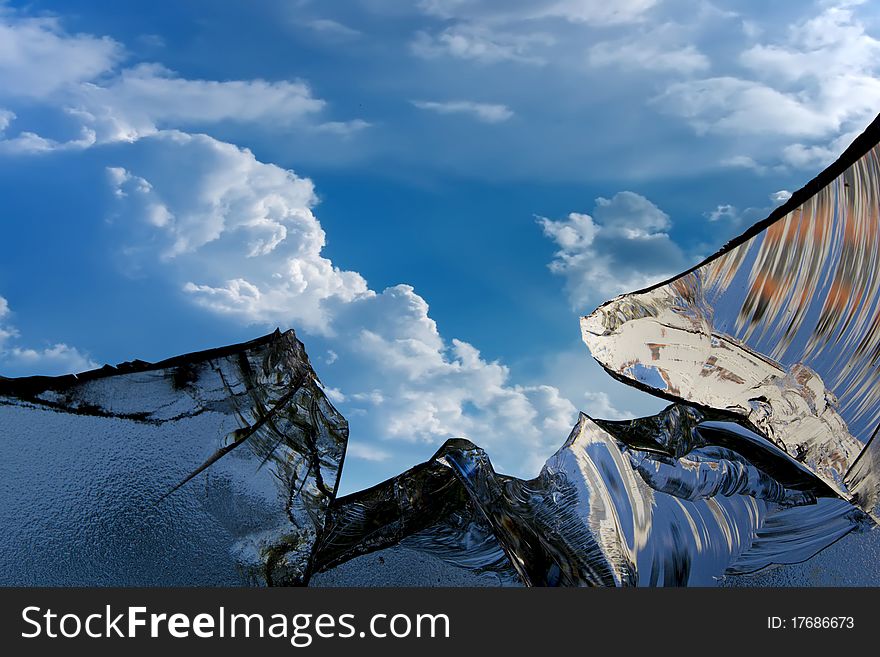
x,y
211,468
780,328
608,509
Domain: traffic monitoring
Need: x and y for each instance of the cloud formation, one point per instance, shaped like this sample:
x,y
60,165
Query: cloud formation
x,y
739,219
231,209
78,76
816,87
18,360
485,112
653,57
38,58
481,44
623,246
661,48
593,12
515,31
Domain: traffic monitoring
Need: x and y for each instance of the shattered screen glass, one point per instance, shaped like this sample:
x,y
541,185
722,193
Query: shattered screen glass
x,y
222,467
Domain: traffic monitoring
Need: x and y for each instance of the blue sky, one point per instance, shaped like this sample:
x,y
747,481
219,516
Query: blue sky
x,y
429,192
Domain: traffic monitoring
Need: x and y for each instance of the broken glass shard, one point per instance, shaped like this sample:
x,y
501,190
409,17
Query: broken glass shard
x,y
780,328
680,498
211,468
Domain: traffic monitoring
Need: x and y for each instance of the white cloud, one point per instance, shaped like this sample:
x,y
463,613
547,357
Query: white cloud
x,y
335,395
648,53
486,31
235,207
599,405
6,117
622,247
418,388
481,44
594,12
743,162
77,75
37,58
16,360
241,240
30,142
367,452
333,29
486,112
781,196
817,156
149,96
723,212
154,41
27,142
141,100
56,359
730,105
6,332
817,88
834,43
343,128
731,215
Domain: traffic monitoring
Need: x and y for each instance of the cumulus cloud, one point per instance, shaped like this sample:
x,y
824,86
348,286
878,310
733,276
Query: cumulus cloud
x,y
485,112
623,246
415,386
234,207
818,86
599,405
240,238
18,360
